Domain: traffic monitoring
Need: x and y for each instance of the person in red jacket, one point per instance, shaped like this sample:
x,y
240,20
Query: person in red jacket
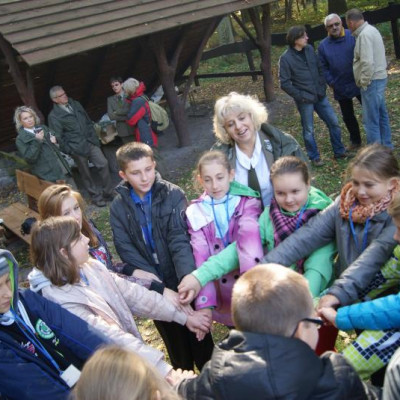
x,y
139,114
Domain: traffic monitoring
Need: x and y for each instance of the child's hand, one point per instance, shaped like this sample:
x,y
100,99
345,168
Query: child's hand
x,y
200,335
140,274
198,321
188,289
173,297
328,314
175,376
329,300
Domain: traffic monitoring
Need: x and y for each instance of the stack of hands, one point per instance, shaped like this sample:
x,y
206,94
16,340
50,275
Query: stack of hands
x,y
190,287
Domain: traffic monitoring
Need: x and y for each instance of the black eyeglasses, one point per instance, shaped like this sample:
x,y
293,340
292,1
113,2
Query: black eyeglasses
x,y
317,321
335,24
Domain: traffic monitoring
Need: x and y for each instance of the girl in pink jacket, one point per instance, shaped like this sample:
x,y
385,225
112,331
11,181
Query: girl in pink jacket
x,y
226,212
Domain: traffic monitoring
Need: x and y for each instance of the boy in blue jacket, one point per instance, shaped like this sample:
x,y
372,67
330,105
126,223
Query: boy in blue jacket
x,y
42,346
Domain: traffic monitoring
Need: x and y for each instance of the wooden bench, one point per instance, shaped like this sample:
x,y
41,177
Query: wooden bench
x,y
15,214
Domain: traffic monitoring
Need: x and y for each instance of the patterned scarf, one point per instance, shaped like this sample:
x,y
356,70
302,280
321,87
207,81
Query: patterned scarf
x,y
285,225
361,213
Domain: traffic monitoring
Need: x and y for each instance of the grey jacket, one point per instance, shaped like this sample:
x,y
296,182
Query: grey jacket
x,y
357,268
304,81
274,143
117,110
74,131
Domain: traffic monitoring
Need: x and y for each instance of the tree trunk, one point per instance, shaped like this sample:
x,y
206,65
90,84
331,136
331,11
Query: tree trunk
x,y
288,10
167,71
337,6
263,40
25,87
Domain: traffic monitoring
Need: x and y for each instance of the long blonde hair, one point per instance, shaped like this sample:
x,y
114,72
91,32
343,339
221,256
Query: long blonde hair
x,y
115,373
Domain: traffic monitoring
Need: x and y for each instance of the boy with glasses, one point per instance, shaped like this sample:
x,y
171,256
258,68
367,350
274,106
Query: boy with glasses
x,y
270,355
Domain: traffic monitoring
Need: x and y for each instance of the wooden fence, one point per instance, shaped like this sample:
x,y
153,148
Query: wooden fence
x,y
390,13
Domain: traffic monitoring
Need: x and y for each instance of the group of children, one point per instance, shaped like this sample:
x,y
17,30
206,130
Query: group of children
x,y
208,252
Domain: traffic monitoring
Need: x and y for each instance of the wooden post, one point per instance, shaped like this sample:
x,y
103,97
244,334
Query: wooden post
x,y
395,32
25,86
167,70
263,40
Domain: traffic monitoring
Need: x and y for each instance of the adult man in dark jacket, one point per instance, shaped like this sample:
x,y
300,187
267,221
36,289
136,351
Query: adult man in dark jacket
x,y
336,54
76,135
301,77
271,355
39,341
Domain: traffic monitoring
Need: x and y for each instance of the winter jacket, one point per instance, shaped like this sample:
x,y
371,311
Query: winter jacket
x,y
300,79
43,157
250,365
117,110
379,314
369,56
74,131
318,266
359,266
170,234
139,116
109,303
336,57
26,377
243,229
274,143
391,386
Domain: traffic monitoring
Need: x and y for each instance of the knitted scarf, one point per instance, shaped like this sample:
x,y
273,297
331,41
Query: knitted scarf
x,y
361,213
285,224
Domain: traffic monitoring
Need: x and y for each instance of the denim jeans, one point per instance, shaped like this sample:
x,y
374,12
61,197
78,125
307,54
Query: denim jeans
x,y
375,115
325,111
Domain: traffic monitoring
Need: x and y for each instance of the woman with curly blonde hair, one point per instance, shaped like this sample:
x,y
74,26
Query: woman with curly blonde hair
x,y
252,145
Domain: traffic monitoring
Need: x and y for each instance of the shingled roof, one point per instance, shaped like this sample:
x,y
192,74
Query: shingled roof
x,y
46,30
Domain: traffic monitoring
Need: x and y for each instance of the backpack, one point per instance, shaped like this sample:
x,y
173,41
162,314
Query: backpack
x,y
159,117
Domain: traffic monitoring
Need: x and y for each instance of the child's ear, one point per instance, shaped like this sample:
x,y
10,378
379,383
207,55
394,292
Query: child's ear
x,y
232,175
198,178
122,175
64,252
393,183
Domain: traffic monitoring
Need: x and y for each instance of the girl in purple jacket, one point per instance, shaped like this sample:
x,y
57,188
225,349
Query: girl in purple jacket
x,y
226,212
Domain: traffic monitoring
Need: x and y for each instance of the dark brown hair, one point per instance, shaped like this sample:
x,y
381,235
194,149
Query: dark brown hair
x,y
294,33
48,238
132,152
50,204
290,165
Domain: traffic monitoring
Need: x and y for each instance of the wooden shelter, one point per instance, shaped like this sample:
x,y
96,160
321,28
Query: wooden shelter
x,y
79,44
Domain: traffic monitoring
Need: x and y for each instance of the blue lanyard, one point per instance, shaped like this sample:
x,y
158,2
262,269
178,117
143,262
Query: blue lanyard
x,y
225,242
353,231
31,336
300,216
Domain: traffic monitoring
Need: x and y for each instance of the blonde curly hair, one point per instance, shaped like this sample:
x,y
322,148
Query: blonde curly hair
x,y
237,103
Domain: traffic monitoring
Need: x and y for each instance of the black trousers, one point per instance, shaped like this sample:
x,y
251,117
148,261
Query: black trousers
x,y
183,348
350,120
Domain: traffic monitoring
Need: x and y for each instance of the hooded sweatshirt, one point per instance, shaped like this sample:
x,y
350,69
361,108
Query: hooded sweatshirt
x,y
25,372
